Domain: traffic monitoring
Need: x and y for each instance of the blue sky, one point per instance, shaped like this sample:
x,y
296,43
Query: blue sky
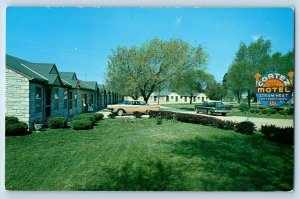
x,y
81,39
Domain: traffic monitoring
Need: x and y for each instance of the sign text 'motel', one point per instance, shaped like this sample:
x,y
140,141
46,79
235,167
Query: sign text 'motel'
x,y
274,89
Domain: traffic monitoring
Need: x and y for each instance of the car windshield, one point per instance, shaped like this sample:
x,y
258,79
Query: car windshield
x,y
126,103
219,104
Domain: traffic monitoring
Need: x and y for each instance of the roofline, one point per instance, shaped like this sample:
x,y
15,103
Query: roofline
x,y
20,73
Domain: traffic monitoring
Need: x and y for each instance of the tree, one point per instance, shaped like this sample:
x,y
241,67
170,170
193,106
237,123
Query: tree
x,y
248,61
215,91
190,82
236,78
141,71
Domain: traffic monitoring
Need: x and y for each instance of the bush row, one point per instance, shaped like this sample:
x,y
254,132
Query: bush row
x,y
243,107
242,127
283,135
81,121
85,121
13,127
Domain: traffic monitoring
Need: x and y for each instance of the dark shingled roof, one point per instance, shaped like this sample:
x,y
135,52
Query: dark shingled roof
x,y
69,78
88,85
34,71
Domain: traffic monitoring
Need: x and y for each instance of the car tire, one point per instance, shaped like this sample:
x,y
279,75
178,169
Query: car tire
x,y
209,112
120,112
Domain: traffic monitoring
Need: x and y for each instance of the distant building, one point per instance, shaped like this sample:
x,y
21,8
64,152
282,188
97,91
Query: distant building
x,y
169,97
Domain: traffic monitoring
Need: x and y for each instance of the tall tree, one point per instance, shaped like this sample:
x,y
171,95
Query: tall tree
x,y
215,91
236,79
190,82
141,70
248,61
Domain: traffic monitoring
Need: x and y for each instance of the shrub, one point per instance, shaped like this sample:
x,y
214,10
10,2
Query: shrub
x,y
272,111
13,128
245,127
137,114
282,112
265,111
85,116
111,116
82,124
11,120
290,111
159,120
98,116
278,134
57,122
254,110
243,107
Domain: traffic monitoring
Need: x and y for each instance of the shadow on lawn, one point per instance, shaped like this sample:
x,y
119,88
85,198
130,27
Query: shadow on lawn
x,y
133,176
249,164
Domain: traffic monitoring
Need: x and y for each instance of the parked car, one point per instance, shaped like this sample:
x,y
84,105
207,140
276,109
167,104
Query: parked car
x,y
212,106
131,106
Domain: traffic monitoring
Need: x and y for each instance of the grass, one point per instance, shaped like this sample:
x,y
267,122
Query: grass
x,y
121,155
236,111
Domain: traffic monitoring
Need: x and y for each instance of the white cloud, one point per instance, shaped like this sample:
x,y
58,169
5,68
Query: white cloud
x,y
256,37
178,21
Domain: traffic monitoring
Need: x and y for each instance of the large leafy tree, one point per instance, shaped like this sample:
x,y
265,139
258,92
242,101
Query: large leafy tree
x,y
215,91
136,71
191,82
248,61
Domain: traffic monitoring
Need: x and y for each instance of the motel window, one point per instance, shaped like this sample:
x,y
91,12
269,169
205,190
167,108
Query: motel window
x,y
155,98
70,100
38,99
65,98
75,100
176,98
202,99
194,99
167,98
56,99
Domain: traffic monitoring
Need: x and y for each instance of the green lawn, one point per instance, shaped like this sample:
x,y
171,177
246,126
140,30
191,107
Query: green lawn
x,y
235,112
118,155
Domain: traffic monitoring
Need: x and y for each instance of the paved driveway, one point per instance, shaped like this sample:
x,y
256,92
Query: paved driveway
x,y
257,121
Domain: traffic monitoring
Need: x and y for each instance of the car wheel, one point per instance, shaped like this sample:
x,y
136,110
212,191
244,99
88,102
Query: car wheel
x,y
120,112
209,112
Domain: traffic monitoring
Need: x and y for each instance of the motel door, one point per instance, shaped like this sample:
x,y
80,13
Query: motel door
x,y
48,101
84,103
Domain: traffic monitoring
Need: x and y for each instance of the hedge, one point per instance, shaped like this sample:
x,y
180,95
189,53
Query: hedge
x,y
85,116
57,122
245,127
278,134
81,124
196,119
13,127
98,116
